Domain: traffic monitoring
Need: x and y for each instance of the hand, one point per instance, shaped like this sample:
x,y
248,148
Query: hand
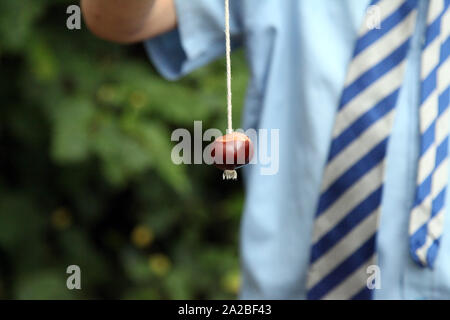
x,y
128,21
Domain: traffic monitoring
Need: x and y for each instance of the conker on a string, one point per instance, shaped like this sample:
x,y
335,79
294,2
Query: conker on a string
x,y
234,149
230,152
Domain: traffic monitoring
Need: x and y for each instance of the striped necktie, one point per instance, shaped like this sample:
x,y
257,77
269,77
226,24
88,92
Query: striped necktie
x,y
346,221
426,224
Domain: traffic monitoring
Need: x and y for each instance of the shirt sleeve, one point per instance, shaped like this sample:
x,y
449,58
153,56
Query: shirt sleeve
x,y
198,39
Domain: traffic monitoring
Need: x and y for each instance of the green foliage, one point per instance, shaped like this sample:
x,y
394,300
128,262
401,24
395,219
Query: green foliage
x,y
85,171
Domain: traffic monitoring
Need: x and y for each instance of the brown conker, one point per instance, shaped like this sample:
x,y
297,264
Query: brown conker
x,y
232,151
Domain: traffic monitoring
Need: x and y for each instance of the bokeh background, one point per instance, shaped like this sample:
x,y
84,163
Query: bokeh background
x,y
85,170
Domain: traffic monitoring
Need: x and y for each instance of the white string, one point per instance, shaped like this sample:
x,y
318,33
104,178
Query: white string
x,y
228,54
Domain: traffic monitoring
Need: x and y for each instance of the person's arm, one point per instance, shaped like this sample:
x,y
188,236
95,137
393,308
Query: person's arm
x,y
128,21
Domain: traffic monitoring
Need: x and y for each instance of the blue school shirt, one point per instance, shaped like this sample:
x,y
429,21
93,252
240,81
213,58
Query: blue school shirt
x,y
298,52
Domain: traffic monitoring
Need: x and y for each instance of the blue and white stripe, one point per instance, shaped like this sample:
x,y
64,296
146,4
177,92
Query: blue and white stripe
x,y
347,217
426,222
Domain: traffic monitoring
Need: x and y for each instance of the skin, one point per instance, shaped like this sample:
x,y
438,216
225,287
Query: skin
x,y
128,21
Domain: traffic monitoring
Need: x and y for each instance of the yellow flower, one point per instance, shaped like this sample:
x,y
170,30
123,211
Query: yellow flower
x,y
107,93
138,99
159,264
142,236
231,282
61,218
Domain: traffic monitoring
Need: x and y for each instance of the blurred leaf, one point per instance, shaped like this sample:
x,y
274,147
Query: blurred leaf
x,y
18,218
16,23
45,284
42,62
78,250
137,267
72,121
